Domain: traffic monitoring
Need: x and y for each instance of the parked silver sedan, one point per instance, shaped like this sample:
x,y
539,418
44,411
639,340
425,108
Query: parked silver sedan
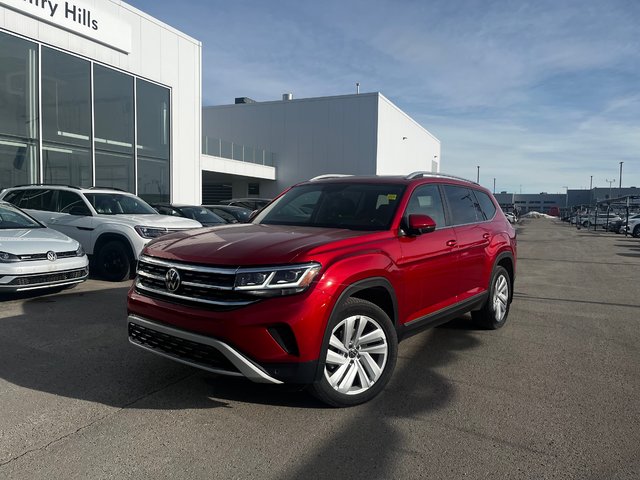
x,y
33,256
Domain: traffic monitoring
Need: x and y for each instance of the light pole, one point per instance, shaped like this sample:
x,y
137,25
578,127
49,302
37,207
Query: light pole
x,y
478,174
620,184
494,185
591,190
610,182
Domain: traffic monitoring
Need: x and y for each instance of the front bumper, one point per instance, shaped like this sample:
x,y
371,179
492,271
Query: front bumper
x,y
193,349
22,276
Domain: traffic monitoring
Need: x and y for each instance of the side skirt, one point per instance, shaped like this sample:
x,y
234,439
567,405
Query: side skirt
x,y
441,316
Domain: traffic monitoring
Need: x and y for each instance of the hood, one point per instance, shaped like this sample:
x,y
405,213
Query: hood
x,y
154,220
246,244
25,241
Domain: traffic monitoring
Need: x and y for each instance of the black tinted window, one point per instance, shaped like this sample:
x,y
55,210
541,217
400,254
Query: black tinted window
x,y
37,199
462,204
487,206
426,200
357,206
71,200
13,197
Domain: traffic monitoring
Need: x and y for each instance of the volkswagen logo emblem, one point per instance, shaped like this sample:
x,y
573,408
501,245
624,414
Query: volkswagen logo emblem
x,y
172,280
51,256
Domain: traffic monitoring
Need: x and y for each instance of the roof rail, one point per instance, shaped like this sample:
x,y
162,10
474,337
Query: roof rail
x,y
46,185
98,187
421,174
330,175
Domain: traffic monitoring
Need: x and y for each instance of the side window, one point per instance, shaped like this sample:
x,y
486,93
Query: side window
x,y
70,200
426,200
13,197
463,205
37,199
487,206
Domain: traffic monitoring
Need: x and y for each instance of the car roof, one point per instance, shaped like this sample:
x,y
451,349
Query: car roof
x,y
70,187
415,177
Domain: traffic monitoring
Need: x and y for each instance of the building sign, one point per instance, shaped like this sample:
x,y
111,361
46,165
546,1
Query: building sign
x,y
78,17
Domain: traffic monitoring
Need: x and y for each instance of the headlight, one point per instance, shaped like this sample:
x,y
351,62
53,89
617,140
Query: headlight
x,y
80,251
8,257
150,232
276,281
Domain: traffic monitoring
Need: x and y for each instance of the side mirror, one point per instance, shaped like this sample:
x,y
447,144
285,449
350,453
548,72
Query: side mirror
x,y
419,224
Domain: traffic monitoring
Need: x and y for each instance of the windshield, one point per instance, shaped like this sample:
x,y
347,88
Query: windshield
x,y
355,206
117,203
13,218
201,214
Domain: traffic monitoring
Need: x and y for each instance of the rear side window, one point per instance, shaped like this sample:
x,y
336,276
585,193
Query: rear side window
x,y
70,200
13,197
37,199
463,205
486,205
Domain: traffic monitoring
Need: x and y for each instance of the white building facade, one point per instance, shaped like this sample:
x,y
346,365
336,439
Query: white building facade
x,y
260,148
96,92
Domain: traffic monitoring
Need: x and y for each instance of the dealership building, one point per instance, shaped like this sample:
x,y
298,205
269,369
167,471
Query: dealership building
x,y
96,92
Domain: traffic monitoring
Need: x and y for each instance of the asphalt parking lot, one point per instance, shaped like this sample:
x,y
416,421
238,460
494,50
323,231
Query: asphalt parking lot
x,y
554,394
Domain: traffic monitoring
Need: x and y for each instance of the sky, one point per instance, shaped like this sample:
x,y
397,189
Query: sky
x,y
541,95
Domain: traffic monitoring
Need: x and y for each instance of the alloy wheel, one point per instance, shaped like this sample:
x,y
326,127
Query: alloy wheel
x,y
357,355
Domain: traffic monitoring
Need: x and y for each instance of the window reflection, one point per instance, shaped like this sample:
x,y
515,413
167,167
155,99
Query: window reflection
x,y
19,112
114,125
66,119
78,135
153,141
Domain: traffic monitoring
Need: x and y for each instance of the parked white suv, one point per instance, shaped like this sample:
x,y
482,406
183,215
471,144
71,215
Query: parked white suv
x,y
112,226
633,227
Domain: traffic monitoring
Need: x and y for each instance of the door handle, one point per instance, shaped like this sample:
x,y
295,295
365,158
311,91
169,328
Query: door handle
x,y
451,243
486,236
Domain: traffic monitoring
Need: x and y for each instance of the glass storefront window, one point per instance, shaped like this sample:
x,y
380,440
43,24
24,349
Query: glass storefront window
x,y
66,165
66,99
66,119
154,131
19,111
114,128
153,120
84,140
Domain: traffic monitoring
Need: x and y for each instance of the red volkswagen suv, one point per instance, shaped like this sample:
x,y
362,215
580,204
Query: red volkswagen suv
x,y
326,280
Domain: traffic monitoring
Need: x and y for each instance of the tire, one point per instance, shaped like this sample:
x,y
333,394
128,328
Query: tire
x,y
114,261
495,310
636,231
359,355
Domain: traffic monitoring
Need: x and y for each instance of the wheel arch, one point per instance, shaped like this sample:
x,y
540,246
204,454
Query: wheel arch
x,y
507,261
377,290
107,237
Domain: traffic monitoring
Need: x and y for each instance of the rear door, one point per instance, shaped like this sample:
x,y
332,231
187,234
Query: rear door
x,y
73,218
473,238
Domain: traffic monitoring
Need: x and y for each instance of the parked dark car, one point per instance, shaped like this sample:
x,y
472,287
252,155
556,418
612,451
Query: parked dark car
x,y
250,203
205,216
231,213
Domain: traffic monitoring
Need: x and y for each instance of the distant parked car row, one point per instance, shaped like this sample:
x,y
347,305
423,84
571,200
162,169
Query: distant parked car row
x,y
611,222
46,230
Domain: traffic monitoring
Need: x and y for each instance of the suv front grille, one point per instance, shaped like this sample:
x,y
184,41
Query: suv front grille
x,y
198,286
181,349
